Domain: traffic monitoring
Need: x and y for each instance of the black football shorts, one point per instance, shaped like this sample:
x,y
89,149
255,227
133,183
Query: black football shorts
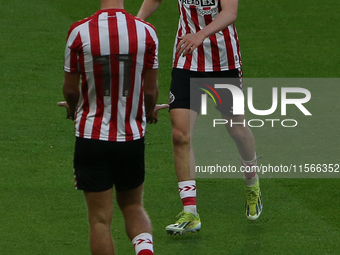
x,y
100,165
180,96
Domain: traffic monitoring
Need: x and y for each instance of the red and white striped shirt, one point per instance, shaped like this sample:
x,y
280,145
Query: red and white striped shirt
x,y
111,50
218,52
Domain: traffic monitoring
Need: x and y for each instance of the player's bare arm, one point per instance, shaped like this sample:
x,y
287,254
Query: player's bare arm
x,y
148,8
71,93
151,95
226,17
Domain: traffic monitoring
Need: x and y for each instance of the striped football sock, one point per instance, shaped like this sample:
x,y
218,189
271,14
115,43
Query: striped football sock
x,y
143,244
187,192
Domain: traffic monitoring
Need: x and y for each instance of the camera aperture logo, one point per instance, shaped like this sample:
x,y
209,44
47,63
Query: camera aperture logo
x,y
238,105
211,94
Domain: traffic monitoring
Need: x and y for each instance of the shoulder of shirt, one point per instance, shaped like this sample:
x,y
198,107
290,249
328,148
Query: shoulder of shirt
x,y
144,22
78,23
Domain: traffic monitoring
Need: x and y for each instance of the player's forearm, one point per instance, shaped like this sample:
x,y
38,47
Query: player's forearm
x,y
71,98
223,20
71,90
150,101
150,91
226,17
148,8
150,98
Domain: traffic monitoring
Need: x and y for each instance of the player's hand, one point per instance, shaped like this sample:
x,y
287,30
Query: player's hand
x,y
69,113
161,106
153,119
189,43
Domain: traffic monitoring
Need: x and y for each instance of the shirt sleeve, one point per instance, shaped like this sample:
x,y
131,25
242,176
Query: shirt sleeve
x,y
71,59
152,50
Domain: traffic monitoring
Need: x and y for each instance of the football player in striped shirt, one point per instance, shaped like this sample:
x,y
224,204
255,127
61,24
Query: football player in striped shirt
x,y
115,57
206,46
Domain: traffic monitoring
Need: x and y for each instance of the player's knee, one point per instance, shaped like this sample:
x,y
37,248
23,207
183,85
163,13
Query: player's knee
x,y
133,211
103,219
179,137
130,205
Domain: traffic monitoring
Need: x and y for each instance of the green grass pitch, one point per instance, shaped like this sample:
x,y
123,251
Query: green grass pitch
x,y
41,213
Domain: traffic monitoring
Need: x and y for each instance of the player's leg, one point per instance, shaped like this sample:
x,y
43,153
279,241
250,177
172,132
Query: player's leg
x,y
137,223
183,121
100,209
92,176
245,143
242,135
129,177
